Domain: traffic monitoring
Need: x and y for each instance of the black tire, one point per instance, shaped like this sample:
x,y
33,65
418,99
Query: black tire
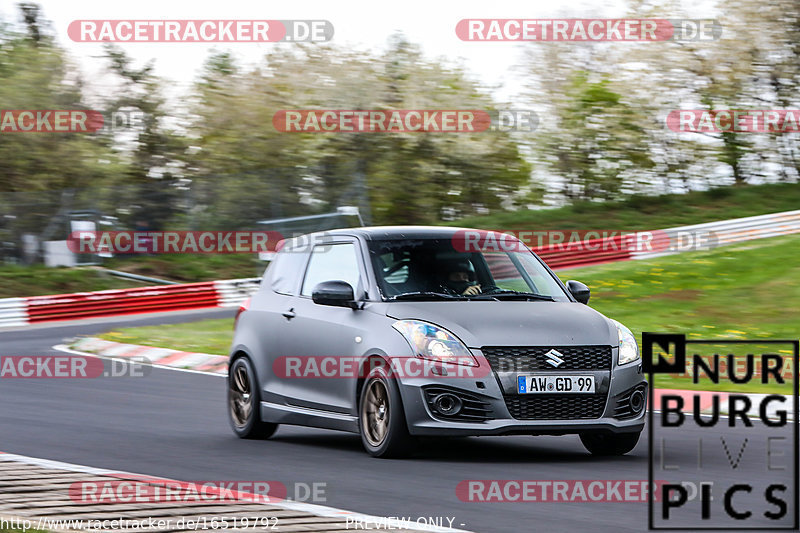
x,y
244,402
606,443
393,440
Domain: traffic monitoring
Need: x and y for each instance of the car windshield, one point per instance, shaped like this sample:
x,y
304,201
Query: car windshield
x,y
434,269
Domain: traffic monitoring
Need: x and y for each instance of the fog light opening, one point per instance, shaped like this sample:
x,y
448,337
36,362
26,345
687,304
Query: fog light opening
x,y
447,404
637,401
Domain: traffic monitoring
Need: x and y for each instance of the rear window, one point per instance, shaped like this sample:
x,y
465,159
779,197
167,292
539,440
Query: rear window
x,y
286,268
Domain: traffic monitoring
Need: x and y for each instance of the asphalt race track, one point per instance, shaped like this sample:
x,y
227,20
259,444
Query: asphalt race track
x,y
174,424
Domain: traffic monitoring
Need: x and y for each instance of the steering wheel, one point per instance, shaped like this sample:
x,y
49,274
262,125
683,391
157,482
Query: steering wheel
x,y
395,267
491,289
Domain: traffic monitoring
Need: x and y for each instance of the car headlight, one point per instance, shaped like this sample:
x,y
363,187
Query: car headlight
x,y
628,349
434,343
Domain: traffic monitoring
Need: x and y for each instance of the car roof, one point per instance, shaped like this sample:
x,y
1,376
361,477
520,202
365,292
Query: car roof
x,y
397,232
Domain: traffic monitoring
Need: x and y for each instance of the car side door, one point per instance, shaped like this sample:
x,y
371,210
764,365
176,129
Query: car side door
x,y
263,326
323,340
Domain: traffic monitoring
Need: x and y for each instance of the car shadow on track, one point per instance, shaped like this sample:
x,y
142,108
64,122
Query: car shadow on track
x,y
486,450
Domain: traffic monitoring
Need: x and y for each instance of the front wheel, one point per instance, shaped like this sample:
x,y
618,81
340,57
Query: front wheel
x,y
606,443
382,423
244,402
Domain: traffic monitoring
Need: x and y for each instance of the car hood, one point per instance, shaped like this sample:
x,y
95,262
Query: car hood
x,y
481,323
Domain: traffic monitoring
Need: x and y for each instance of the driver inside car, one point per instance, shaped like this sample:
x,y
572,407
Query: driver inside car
x,y
457,277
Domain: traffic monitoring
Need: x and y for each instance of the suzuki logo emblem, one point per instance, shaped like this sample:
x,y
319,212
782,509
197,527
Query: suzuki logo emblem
x,y
554,358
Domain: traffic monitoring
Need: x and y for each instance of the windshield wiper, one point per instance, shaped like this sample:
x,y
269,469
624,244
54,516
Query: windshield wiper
x,y
481,296
519,295
425,295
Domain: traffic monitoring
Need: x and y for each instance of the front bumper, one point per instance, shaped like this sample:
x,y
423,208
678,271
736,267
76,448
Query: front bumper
x,y
496,393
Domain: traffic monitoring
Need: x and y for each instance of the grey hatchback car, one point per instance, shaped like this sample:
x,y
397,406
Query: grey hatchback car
x,y
401,332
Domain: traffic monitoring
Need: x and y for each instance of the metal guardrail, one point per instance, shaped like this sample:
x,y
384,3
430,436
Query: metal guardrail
x,y
591,252
138,277
724,232
122,302
569,255
13,312
232,292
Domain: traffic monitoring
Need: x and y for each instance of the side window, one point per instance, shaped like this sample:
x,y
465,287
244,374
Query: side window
x,y
331,262
286,268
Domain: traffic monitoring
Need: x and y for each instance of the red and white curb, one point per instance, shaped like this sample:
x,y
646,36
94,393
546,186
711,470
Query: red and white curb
x,y
349,517
162,357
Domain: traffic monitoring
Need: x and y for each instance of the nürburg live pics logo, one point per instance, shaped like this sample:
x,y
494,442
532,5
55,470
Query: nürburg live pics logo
x,y
723,433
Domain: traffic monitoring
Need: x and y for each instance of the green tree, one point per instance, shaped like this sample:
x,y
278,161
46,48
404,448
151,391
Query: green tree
x,y
247,168
41,173
35,74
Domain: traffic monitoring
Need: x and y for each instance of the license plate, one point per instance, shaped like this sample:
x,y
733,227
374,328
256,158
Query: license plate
x,y
554,384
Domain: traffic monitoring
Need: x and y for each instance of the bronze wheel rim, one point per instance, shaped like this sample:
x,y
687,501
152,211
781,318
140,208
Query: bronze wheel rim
x,y
241,399
375,412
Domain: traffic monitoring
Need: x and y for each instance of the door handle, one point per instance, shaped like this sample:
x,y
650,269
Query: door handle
x,y
289,314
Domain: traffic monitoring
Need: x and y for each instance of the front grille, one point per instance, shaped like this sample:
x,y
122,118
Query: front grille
x,y
556,407
474,408
532,358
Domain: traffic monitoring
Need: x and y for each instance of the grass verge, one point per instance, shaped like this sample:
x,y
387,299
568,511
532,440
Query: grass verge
x,y
189,268
649,212
37,280
744,291
212,336
20,281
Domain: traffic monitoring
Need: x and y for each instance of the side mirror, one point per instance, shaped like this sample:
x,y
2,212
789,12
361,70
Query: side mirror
x,y
580,291
337,293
